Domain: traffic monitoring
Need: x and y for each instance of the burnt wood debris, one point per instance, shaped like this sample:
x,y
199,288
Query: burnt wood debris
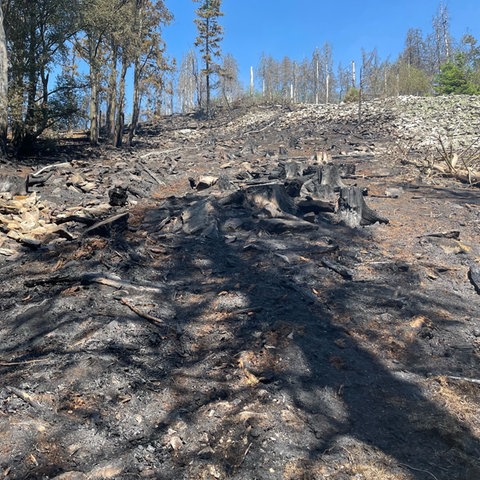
x,y
275,292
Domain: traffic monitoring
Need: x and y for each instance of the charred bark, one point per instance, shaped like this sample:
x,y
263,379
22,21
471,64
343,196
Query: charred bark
x,y
474,276
17,185
354,211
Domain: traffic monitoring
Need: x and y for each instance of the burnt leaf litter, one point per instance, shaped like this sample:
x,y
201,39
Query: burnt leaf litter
x,y
280,292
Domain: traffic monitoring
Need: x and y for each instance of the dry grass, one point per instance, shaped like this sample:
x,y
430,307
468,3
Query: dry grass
x,y
460,398
356,465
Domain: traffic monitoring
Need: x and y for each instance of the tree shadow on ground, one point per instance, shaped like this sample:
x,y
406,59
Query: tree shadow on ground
x,y
255,375
341,390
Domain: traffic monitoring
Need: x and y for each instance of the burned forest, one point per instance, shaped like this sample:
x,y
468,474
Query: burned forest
x,y
273,292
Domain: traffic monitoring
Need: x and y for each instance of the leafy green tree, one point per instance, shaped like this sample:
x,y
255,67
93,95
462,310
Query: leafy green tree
x,y
210,34
352,95
66,101
471,58
89,45
37,36
454,79
102,42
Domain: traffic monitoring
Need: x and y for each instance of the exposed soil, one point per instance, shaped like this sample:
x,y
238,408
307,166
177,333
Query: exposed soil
x,y
164,349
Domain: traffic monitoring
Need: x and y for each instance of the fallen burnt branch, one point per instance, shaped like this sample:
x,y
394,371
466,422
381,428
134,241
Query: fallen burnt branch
x,y
344,272
101,278
117,282
455,234
155,320
26,398
147,316
464,379
105,227
23,362
251,132
49,167
151,174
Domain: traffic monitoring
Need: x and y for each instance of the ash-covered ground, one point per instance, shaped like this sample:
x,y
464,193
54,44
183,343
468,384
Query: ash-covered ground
x,y
204,324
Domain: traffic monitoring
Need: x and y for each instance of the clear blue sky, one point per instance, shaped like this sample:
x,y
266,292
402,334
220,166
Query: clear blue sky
x,y
294,28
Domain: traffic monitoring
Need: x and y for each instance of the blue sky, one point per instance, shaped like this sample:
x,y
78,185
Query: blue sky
x,y
294,28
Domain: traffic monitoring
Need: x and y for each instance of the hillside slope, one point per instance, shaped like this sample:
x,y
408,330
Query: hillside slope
x,y
180,310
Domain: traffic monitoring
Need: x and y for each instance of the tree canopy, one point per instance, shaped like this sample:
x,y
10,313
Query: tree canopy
x,y
210,34
65,64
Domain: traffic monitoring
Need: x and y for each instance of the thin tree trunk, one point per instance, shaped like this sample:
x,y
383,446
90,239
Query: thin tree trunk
x,y
136,102
137,70
29,125
251,82
121,101
45,76
94,76
207,86
3,83
93,54
112,95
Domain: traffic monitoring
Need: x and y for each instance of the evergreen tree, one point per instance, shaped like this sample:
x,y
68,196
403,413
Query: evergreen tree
x,y
208,40
454,79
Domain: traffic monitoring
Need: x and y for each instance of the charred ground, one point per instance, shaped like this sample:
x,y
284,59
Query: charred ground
x,y
209,332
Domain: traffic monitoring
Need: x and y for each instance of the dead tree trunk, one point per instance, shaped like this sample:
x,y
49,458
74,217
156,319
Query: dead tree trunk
x,y
120,121
3,84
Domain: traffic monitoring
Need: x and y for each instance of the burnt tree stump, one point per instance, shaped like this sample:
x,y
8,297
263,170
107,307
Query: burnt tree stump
x,y
330,175
324,185
293,170
118,196
354,211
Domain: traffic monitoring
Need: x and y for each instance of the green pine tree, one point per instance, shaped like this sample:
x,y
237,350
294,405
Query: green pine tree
x,y
210,34
453,79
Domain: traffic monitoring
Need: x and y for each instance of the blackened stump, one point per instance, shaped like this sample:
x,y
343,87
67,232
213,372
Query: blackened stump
x,y
353,209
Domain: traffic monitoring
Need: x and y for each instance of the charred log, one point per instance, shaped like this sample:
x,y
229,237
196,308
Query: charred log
x,y
18,185
474,276
13,184
316,206
37,179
